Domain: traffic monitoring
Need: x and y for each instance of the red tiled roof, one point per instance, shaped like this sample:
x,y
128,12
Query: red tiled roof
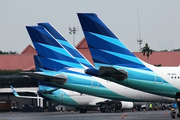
x,y
13,62
28,49
83,48
82,44
23,61
32,68
171,58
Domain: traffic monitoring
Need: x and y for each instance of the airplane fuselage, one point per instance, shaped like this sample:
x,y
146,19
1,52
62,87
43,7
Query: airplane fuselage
x,y
68,97
163,81
83,83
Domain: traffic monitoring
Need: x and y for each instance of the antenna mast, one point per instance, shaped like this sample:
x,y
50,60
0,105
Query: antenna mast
x,y
139,40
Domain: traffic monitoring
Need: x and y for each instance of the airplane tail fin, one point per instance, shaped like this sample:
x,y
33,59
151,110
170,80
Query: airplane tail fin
x,y
52,55
72,50
106,49
38,65
43,86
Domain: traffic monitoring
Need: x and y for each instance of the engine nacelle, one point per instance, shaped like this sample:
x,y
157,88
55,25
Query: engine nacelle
x,y
124,105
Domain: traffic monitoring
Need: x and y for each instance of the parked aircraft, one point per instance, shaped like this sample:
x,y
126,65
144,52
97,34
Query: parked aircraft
x,y
118,64
72,98
60,69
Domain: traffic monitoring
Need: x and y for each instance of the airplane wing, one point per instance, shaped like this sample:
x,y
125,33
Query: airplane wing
x,y
16,94
30,91
59,79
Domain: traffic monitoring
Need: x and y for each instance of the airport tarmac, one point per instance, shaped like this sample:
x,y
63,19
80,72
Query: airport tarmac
x,y
91,115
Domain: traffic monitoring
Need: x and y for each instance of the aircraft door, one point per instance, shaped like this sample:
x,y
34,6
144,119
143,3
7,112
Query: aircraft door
x,y
158,78
94,83
158,81
61,96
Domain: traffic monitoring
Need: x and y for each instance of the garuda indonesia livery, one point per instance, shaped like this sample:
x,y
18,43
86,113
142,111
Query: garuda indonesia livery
x,y
78,56
68,97
71,98
118,64
61,69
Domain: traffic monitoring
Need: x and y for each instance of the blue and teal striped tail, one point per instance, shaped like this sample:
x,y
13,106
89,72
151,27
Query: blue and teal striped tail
x,y
51,54
106,49
72,50
38,65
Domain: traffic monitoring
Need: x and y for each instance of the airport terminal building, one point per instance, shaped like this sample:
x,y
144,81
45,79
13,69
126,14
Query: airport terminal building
x,y
12,65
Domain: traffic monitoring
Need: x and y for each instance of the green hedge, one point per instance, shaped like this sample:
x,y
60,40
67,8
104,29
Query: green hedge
x,y
10,72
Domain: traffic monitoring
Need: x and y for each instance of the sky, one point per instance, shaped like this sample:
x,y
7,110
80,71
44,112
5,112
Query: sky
x,y
159,21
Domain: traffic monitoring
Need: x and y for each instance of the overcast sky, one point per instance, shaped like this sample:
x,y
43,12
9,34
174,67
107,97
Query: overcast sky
x,y
159,20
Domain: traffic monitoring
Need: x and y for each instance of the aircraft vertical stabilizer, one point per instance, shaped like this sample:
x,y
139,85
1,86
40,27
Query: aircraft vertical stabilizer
x,y
106,49
72,50
52,55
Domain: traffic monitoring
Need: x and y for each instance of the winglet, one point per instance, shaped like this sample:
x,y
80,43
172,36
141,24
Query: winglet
x,y
15,93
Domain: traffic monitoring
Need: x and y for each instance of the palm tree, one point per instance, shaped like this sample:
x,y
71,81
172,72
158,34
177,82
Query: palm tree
x,y
146,50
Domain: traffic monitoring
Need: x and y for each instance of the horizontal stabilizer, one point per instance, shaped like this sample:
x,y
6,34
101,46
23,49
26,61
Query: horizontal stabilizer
x,y
58,79
49,91
118,74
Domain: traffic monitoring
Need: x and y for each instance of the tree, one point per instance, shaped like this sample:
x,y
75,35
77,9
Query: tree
x,y
163,51
146,50
10,52
176,49
10,72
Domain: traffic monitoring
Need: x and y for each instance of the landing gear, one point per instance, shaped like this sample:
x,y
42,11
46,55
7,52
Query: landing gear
x,y
83,110
106,109
139,108
103,110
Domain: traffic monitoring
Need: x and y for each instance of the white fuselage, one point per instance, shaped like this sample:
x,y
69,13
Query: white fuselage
x,y
132,94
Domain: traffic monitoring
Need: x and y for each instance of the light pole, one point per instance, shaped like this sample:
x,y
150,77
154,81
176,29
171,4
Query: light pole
x,y
139,40
73,31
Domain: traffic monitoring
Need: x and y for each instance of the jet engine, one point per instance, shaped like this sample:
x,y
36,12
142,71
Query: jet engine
x,y
124,105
